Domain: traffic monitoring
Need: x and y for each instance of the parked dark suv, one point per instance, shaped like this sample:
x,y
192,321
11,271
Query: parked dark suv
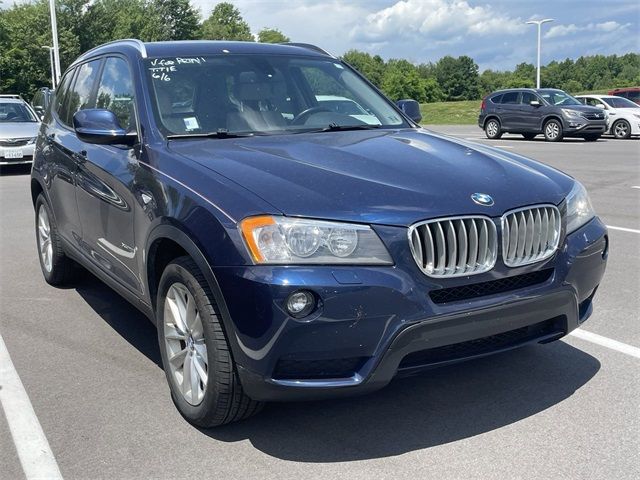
x,y
288,251
529,112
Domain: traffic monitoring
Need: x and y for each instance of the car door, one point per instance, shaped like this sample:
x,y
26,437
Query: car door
x,y
59,163
530,117
508,110
106,203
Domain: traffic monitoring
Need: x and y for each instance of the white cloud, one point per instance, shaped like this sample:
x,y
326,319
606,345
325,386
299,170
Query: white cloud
x,y
571,29
435,19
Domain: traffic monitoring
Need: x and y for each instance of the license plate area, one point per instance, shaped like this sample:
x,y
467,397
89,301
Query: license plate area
x,y
13,153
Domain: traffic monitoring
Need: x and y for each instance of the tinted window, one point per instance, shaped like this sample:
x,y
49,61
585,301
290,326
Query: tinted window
x,y
528,97
80,94
115,91
619,102
496,99
558,97
635,95
59,104
510,97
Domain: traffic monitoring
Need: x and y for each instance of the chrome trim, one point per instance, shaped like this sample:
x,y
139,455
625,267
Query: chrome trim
x,y
530,234
455,247
355,379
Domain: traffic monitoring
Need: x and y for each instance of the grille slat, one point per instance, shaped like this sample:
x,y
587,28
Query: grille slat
x,y
462,246
530,235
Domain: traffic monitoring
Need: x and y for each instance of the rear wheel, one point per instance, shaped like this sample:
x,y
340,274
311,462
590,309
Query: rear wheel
x,y
621,129
529,136
202,375
492,129
57,268
553,131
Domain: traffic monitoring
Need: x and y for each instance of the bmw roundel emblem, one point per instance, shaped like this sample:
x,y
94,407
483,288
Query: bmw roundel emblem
x,y
482,199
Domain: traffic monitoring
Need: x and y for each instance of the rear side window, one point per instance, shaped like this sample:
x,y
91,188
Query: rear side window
x,y
115,91
510,98
80,96
496,99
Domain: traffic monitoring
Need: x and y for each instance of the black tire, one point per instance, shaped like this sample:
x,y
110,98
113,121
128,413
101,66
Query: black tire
x,y
62,270
621,129
492,129
591,138
224,400
529,136
553,130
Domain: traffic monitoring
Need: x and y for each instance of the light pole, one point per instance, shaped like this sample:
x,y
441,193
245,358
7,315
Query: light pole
x,y
52,63
539,23
54,33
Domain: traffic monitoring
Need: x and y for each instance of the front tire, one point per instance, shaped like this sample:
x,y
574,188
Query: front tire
x,y
57,268
553,131
197,361
492,129
621,129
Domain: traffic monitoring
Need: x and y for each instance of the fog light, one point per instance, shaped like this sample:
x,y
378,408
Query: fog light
x,y
300,303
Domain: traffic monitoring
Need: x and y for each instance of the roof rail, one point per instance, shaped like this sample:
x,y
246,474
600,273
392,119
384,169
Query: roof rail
x,y
133,42
308,46
11,95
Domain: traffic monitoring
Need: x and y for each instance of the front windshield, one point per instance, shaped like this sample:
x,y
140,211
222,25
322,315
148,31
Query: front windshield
x,y
619,102
558,97
262,94
11,112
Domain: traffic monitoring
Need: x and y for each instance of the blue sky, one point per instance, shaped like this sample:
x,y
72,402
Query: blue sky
x,y
492,32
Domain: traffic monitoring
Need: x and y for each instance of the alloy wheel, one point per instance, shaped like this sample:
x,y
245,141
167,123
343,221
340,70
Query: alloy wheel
x,y
44,239
185,343
620,130
552,130
492,128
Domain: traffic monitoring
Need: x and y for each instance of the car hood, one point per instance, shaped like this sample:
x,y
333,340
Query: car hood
x,y
392,177
19,129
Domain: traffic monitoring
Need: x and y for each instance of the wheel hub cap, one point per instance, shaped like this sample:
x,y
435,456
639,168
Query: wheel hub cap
x,y
44,239
185,344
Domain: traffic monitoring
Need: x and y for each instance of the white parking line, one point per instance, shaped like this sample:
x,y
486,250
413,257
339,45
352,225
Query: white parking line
x,y
635,186
607,342
622,229
34,452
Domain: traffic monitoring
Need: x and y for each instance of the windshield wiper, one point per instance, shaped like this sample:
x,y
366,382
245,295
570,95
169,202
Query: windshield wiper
x,y
220,133
334,127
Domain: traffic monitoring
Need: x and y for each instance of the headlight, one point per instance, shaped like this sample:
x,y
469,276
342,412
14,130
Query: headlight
x,y
32,140
289,241
579,208
571,113
636,115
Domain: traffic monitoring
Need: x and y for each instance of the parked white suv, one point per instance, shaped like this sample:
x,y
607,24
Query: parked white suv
x,y
623,114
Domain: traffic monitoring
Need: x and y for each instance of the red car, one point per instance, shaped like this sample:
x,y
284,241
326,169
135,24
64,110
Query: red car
x,y
632,93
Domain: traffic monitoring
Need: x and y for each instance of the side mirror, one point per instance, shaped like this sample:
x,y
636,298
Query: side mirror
x,y
95,125
534,103
411,109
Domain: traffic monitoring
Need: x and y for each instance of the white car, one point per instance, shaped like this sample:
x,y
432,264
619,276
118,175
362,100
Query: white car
x,y
347,106
623,114
19,127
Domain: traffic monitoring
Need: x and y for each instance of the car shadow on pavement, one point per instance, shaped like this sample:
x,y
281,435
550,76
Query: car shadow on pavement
x,y
126,320
441,406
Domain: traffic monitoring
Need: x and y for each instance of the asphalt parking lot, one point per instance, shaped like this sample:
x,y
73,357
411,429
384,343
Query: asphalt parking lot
x,y
571,409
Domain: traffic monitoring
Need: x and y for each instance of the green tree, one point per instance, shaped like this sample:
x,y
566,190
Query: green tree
x,y
272,35
372,67
458,77
173,20
401,80
226,23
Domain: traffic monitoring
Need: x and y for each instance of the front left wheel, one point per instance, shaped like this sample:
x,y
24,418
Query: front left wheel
x,y
197,361
621,129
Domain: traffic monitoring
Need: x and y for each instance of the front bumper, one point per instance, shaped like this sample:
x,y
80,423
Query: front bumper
x,y
373,323
581,127
25,151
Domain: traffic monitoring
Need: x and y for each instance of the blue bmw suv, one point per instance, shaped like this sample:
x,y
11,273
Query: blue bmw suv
x,y
288,251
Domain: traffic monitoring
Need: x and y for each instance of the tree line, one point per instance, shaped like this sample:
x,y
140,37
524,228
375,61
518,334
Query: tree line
x,y
84,24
